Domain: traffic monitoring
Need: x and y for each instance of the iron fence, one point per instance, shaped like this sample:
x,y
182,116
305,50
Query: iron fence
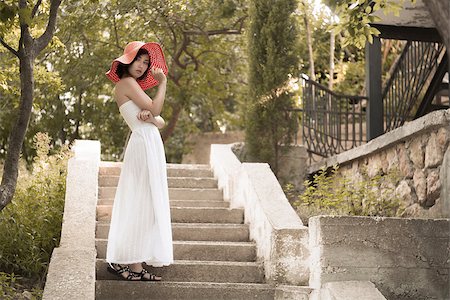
x,y
402,92
331,123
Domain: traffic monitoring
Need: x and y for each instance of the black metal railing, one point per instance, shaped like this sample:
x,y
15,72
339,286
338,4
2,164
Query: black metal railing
x,y
401,94
332,123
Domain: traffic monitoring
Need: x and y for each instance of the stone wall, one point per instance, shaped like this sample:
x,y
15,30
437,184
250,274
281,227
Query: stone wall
x,y
416,151
71,273
200,145
404,258
281,238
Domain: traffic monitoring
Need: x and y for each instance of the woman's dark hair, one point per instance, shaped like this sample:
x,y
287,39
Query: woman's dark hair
x,y
122,69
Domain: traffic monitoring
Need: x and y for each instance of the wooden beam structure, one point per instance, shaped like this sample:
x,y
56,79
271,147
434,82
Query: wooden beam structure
x,y
373,88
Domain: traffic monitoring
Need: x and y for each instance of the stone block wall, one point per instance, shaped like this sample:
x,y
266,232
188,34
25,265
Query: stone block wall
x,y
404,258
416,152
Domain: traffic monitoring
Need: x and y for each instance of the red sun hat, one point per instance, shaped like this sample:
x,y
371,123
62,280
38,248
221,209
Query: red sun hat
x,y
157,60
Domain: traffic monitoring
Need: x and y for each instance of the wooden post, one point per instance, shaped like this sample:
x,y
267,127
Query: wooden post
x,y
373,88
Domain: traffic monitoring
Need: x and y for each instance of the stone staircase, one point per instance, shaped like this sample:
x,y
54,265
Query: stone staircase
x,y
214,258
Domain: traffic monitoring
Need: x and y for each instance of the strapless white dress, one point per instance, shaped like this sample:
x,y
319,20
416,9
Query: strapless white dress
x,y
140,228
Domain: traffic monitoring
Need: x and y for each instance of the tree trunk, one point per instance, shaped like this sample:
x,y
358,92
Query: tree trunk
x,y
332,48
312,71
76,134
440,12
168,131
17,136
29,48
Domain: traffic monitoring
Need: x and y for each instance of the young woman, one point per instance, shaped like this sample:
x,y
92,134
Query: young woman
x,y
140,228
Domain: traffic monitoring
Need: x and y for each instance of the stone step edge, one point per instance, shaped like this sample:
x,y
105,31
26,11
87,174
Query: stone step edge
x,y
168,177
204,262
202,284
186,207
196,225
115,164
213,200
205,243
183,207
307,289
175,189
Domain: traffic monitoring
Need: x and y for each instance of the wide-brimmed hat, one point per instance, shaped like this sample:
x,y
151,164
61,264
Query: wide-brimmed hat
x,y
129,53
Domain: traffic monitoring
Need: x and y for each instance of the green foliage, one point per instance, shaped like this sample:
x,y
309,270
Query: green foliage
x,y
272,60
30,227
331,194
7,283
350,78
73,97
12,289
357,15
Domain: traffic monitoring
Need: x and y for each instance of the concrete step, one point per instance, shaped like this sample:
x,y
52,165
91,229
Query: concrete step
x,y
174,193
196,232
202,250
198,271
182,203
173,182
207,215
173,170
189,214
109,289
189,171
199,203
192,182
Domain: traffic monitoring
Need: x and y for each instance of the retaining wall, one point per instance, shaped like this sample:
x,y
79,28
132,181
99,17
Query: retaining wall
x,y
404,258
417,151
281,238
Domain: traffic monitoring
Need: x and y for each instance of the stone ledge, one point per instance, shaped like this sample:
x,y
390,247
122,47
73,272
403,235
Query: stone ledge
x,y
71,272
389,139
350,290
70,275
281,238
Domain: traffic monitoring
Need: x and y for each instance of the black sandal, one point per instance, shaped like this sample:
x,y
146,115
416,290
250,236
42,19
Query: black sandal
x,y
120,270
142,277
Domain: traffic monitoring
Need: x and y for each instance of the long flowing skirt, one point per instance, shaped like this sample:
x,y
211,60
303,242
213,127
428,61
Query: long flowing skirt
x,y
140,228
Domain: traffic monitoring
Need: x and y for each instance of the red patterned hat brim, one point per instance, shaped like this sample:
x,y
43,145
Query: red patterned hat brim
x,y
156,60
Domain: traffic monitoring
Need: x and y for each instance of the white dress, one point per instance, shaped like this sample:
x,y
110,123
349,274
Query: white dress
x,y
140,228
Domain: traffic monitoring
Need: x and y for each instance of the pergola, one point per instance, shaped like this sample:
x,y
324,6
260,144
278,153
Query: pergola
x,y
413,24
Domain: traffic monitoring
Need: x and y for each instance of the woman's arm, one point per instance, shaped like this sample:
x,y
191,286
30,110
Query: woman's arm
x,y
146,116
131,89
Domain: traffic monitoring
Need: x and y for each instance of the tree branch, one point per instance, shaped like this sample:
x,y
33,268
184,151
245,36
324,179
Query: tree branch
x,y
213,32
35,8
240,21
9,47
177,55
46,37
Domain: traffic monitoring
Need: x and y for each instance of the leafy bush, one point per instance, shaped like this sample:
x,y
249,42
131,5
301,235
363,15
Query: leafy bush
x,y
332,194
30,226
11,289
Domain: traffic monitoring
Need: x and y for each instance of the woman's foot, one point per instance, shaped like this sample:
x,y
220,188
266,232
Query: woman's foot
x,y
122,271
141,273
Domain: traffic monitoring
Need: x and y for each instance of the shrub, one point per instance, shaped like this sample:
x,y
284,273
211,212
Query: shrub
x,y
272,36
11,289
30,226
331,194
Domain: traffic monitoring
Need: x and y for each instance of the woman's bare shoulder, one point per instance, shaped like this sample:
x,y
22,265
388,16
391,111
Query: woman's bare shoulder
x,y
123,86
126,83
121,90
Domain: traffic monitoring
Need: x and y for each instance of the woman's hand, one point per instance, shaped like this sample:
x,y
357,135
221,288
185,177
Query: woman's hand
x,y
159,122
146,116
143,115
158,74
